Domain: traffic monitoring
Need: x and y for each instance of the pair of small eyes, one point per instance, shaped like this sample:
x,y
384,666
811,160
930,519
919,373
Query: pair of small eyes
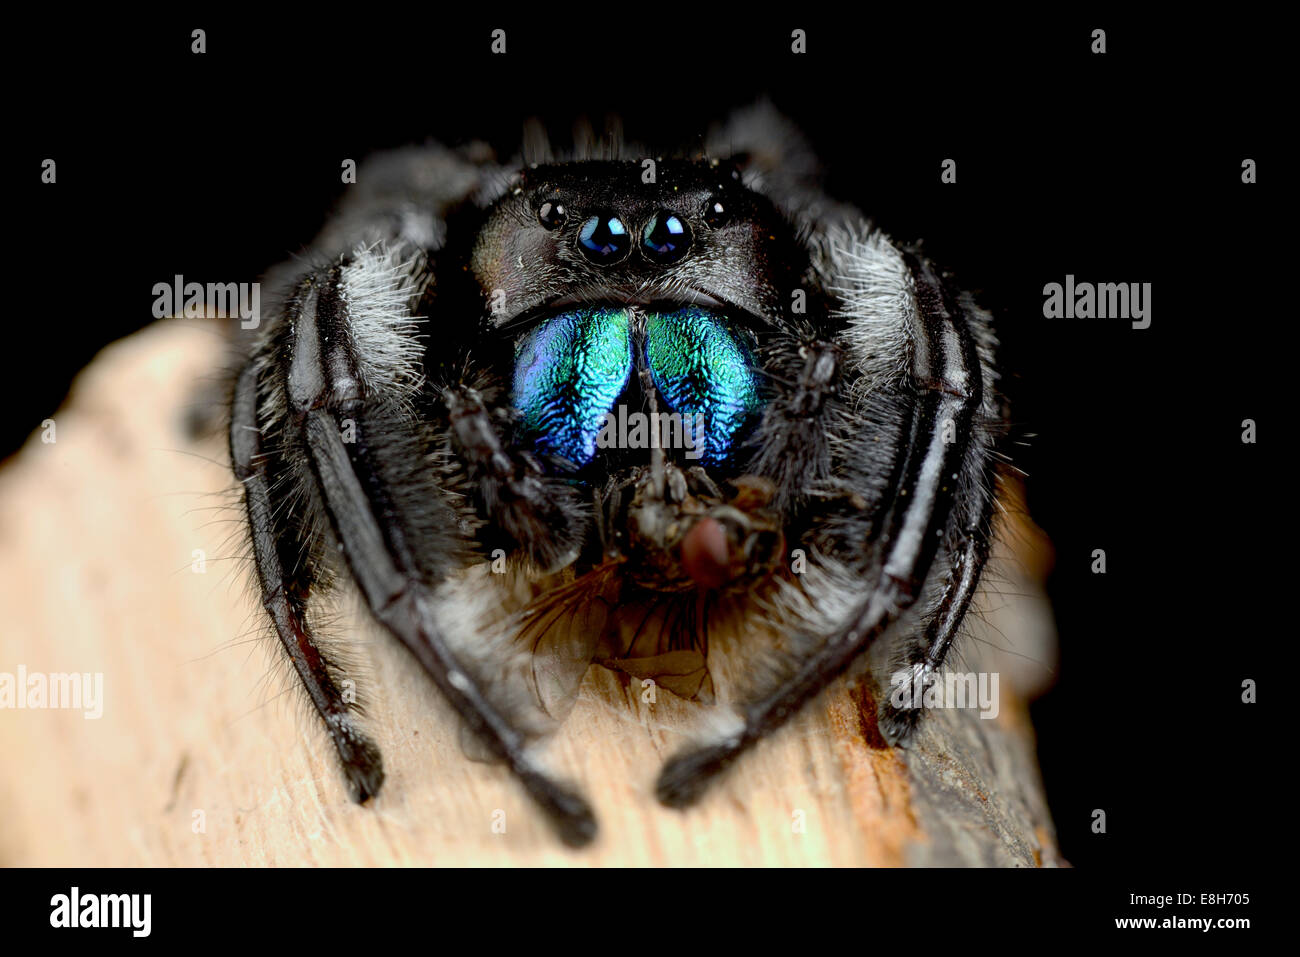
x,y
604,237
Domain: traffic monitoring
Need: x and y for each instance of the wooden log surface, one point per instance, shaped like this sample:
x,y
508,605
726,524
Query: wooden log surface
x,y
205,755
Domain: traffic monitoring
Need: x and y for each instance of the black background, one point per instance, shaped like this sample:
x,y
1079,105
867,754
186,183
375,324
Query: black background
x,y
1124,167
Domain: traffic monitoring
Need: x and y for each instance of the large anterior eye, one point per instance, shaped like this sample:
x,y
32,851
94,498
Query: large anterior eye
x,y
568,373
702,367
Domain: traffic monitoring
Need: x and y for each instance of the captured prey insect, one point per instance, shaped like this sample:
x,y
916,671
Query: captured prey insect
x,y
437,414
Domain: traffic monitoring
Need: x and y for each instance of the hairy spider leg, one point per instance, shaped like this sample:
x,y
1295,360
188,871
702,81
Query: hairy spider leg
x,y
946,371
283,597
324,388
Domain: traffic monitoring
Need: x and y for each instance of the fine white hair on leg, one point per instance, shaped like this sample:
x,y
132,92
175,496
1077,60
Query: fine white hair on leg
x,y
875,295
381,286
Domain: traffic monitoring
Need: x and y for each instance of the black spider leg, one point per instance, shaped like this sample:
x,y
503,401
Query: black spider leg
x,y
791,445
361,760
926,656
325,387
538,514
946,371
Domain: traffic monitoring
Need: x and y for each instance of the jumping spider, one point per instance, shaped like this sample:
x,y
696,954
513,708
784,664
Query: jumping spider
x,y
438,399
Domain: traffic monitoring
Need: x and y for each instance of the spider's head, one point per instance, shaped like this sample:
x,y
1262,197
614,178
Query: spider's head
x,y
590,231
634,313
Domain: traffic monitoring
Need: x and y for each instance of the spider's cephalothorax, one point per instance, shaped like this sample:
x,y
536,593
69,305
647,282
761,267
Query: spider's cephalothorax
x,y
572,412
